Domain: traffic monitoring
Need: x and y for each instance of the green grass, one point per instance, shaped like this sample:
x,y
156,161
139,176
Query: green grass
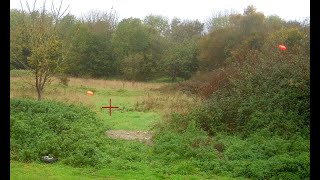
x,y
130,120
35,171
57,171
125,117
139,109
122,159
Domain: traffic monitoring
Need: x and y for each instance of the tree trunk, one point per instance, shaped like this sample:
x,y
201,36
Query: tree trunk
x,y
174,75
173,78
39,92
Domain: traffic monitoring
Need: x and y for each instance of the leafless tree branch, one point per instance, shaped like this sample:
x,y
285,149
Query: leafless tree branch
x,y
21,7
34,5
28,7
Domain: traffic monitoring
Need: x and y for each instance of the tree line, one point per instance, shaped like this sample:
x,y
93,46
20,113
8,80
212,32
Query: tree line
x,y
98,45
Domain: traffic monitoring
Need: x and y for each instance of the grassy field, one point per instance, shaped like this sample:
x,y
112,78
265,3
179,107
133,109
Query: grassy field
x,y
70,124
34,171
132,97
140,107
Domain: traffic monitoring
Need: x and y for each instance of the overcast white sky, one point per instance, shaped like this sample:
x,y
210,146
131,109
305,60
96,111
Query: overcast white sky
x,y
184,9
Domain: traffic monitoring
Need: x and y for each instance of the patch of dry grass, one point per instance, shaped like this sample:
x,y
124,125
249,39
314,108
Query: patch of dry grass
x,y
114,84
168,103
164,103
22,87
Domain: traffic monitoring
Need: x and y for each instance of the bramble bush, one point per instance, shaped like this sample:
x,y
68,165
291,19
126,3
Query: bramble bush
x,y
268,95
71,133
258,120
260,155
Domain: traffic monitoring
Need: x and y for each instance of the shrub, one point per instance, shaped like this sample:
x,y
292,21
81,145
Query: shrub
x,y
273,95
258,121
64,79
257,112
71,133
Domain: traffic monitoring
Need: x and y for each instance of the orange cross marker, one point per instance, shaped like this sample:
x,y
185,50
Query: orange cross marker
x,y
110,107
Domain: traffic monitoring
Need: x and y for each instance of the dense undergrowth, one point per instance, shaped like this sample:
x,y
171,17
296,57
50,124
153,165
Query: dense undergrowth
x,y
71,133
259,156
254,126
255,122
74,135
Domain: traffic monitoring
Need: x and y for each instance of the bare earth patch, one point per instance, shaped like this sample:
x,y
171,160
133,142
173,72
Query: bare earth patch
x,y
142,136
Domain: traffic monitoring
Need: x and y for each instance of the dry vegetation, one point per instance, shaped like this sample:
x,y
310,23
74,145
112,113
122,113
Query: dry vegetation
x,y
113,84
147,97
168,103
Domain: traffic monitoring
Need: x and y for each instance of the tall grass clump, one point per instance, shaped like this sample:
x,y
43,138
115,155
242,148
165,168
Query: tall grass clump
x,y
71,133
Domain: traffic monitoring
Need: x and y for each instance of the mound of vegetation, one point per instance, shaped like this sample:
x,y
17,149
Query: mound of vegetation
x,y
255,127
269,96
255,122
71,133
258,156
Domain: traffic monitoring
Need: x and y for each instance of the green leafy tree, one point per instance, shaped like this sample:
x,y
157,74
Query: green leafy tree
x,y
296,40
158,27
130,66
274,23
91,52
185,30
158,23
252,21
181,60
132,37
78,54
19,40
215,46
240,37
46,51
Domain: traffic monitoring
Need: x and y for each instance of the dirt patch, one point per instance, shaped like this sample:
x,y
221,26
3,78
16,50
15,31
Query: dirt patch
x,y
142,136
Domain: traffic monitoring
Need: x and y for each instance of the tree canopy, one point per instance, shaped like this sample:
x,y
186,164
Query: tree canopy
x,y
98,45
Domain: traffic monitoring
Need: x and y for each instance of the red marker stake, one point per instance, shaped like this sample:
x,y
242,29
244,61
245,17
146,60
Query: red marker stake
x,y
109,107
